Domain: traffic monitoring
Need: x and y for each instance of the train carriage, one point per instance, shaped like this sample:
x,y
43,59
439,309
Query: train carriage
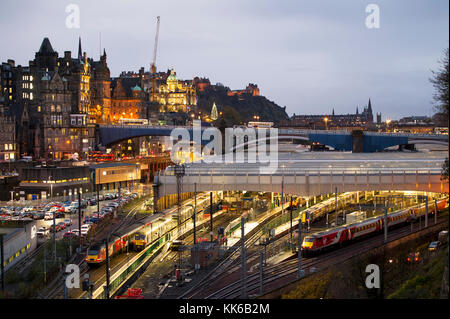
x,y
324,240
331,238
364,228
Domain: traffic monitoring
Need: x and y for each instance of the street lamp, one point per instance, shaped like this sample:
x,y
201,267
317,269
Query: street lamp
x,y
179,173
51,186
282,191
326,123
387,124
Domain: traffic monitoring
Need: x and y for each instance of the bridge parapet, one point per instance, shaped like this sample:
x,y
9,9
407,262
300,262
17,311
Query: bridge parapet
x,y
307,182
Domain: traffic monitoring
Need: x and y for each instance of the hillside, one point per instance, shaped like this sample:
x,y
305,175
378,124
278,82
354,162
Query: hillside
x,y
237,110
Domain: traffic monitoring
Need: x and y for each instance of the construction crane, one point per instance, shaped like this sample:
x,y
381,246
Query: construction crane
x,y
153,66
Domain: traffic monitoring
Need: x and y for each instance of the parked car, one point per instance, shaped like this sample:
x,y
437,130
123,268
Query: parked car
x,y
27,214
68,222
434,246
43,232
38,215
48,216
70,234
92,219
62,225
59,214
76,233
57,228
113,204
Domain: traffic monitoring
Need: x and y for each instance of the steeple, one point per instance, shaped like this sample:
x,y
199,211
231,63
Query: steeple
x,y
333,111
80,54
357,112
369,107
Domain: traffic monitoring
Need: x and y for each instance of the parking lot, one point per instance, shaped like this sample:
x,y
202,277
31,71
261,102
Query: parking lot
x,y
66,214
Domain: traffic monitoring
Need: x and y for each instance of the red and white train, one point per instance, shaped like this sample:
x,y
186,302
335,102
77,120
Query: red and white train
x,y
335,237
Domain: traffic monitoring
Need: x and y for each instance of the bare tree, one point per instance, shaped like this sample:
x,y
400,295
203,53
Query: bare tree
x,y
440,82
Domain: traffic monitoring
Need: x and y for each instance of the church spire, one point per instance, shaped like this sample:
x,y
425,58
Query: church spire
x,y
369,107
80,54
357,112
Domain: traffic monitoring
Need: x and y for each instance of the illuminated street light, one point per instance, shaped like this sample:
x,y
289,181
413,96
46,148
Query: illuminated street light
x,y
326,123
388,121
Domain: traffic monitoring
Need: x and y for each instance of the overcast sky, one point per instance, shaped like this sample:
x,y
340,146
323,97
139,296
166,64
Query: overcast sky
x,y
309,56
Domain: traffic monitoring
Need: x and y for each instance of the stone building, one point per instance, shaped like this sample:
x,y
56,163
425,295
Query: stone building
x,y
7,82
9,149
251,89
175,95
100,108
127,99
333,121
55,93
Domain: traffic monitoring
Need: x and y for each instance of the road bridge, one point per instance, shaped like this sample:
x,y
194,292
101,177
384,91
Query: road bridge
x,y
356,141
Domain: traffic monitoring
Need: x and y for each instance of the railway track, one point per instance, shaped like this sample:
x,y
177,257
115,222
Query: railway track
x,y
228,275
55,289
98,275
288,270
229,261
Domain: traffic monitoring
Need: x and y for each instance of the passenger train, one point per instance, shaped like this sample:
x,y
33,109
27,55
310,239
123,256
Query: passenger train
x,y
319,210
143,236
139,235
336,237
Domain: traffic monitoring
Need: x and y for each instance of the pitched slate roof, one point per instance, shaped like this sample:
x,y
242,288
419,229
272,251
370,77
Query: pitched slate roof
x,y
46,47
127,83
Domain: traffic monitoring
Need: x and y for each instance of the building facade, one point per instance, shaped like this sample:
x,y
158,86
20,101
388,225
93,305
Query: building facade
x,y
175,95
9,149
333,121
55,92
251,89
51,181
